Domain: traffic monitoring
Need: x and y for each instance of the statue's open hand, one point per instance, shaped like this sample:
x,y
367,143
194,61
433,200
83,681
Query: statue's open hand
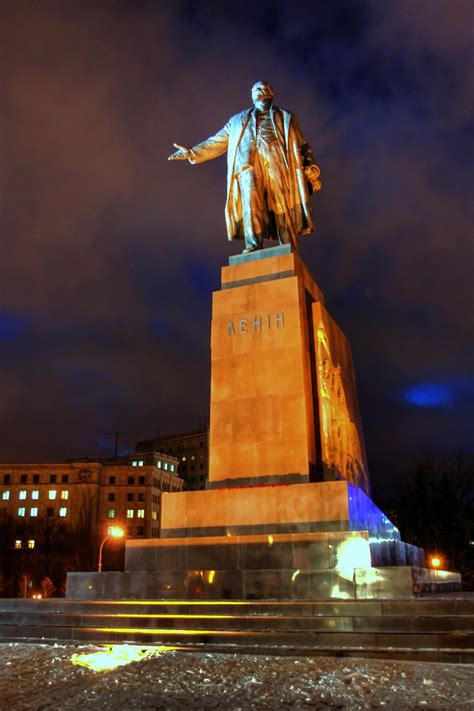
x,y
182,153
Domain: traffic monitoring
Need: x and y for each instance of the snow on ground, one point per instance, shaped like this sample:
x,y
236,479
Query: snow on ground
x,y
42,677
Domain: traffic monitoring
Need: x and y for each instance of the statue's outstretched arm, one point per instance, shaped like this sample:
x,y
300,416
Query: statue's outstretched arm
x,y
212,147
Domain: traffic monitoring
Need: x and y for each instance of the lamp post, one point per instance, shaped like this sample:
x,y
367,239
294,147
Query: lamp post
x,y
114,532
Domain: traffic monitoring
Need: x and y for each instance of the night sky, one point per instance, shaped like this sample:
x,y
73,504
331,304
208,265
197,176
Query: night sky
x,y
109,253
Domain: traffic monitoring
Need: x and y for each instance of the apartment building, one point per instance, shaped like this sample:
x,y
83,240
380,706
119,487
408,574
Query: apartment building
x,y
192,451
122,492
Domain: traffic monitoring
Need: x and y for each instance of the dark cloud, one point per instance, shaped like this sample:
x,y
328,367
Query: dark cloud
x,y
109,253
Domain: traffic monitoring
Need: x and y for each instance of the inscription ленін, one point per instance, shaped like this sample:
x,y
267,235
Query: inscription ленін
x,y
256,324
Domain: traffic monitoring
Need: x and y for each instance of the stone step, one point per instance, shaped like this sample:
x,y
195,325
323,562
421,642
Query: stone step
x,y
454,645
433,606
229,622
434,629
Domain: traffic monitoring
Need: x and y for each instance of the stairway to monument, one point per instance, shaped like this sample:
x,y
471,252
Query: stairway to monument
x,y
439,628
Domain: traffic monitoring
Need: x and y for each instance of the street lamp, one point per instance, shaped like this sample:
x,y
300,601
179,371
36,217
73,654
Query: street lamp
x,y
114,532
436,561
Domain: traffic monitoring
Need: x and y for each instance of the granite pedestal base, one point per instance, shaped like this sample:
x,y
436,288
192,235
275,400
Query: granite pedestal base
x,y
283,584
287,514
361,557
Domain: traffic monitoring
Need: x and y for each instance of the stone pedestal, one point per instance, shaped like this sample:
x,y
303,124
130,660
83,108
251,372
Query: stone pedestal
x,y
288,512
283,399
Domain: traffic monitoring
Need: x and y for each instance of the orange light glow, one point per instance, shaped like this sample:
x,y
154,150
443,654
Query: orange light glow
x,y
116,532
435,561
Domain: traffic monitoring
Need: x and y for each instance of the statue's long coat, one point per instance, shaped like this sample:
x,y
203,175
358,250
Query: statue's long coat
x,y
238,139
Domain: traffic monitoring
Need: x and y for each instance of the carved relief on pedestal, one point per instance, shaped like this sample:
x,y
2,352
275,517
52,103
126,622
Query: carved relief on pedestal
x,y
341,436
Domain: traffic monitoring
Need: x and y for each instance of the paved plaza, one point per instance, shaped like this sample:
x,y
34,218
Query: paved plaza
x,y
41,677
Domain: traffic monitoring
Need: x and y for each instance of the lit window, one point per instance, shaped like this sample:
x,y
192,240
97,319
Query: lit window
x,y
52,494
63,512
21,511
183,459
134,463
141,513
158,463
172,467
5,495
129,513
35,495
34,511
140,463
166,467
111,513
65,495
154,515
22,495
17,544
31,543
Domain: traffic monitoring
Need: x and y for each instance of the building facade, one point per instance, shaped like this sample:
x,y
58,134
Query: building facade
x,y
192,451
122,492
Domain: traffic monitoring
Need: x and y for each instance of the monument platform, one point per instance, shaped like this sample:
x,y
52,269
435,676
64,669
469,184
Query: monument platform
x,y
301,541
288,513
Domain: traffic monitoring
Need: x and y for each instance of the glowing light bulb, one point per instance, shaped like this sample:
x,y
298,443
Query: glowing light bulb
x,y
117,532
435,561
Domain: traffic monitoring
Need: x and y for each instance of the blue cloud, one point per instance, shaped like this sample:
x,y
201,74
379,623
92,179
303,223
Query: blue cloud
x,y
204,278
161,327
12,326
429,395
438,394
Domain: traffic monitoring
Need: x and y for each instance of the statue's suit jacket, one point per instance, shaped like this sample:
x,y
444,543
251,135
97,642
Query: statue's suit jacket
x,y
238,139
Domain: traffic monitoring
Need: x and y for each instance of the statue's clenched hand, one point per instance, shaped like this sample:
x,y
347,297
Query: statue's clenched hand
x,y
182,153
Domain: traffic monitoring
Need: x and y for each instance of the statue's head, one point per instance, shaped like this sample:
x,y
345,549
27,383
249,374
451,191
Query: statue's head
x,y
262,94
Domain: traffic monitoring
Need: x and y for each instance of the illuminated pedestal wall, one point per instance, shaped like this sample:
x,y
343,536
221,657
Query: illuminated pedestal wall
x,y
283,397
288,512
